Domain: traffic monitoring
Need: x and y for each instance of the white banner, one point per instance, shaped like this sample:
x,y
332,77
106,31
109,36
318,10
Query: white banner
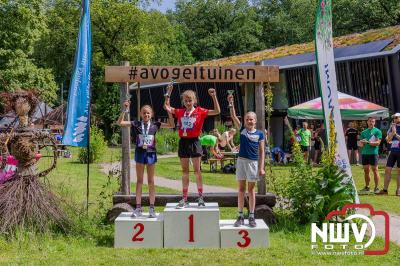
x,y
327,82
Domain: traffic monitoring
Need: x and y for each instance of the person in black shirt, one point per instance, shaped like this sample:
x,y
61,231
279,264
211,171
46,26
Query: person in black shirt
x,y
351,139
144,132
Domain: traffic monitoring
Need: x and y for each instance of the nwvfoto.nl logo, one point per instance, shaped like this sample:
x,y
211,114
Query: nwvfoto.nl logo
x,y
335,237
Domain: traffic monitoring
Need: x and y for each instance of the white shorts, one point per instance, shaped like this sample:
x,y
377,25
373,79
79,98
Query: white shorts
x,y
246,170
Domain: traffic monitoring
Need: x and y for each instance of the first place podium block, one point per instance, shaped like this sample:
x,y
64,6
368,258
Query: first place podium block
x,y
244,236
138,232
192,227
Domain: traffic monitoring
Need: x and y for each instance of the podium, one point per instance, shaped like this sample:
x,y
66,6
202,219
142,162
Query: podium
x,y
138,232
244,236
192,227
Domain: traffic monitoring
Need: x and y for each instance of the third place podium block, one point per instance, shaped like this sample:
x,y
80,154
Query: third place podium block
x,y
194,226
244,236
138,232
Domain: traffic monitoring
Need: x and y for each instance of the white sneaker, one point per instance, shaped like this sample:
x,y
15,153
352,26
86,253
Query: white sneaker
x,y
138,212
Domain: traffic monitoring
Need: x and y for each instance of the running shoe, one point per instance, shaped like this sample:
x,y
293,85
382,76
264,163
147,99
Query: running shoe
x,y
252,222
382,193
152,213
239,221
200,202
138,212
182,204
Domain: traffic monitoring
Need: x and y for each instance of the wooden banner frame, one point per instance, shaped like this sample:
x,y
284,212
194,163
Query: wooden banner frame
x,y
188,74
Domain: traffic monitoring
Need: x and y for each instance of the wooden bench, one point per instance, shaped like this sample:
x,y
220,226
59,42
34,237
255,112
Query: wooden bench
x,y
224,199
264,203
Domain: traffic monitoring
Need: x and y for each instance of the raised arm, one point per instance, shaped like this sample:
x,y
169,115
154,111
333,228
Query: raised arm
x,y
170,124
121,121
391,134
235,119
167,96
217,109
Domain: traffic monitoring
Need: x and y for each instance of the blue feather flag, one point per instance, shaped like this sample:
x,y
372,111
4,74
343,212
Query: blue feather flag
x,y
76,131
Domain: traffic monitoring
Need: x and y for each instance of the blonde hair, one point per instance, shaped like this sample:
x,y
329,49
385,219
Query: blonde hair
x,y
251,113
189,94
149,107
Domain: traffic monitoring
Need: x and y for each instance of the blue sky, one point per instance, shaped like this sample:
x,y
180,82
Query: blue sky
x,y
164,6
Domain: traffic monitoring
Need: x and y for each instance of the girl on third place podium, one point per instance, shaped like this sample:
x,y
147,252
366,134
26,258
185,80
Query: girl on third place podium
x,y
145,151
190,122
250,162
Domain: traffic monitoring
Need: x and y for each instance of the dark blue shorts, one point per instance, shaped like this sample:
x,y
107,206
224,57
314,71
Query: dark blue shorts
x,y
145,157
369,159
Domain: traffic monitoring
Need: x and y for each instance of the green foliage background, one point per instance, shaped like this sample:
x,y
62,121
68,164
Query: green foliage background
x,y
38,37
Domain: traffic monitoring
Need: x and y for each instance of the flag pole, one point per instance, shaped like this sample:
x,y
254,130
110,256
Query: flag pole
x,y
88,157
77,126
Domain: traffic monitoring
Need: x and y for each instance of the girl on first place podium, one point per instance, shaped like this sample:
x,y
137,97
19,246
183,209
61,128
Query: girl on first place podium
x,y
190,122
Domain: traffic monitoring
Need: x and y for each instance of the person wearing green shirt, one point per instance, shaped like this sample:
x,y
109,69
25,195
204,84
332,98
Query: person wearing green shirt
x,y
304,140
212,142
370,140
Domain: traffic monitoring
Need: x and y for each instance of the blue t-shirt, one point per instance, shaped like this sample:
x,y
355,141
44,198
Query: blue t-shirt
x,y
249,143
395,146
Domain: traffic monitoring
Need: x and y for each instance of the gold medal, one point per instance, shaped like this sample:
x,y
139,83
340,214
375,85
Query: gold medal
x,y
144,146
184,134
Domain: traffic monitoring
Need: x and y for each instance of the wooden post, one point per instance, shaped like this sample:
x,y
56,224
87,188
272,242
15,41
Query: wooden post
x,y
138,101
126,141
260,111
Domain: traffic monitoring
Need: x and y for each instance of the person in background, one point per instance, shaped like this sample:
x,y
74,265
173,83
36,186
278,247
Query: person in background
x,y
226,139
211,142
393,137
305,140
370,140
351,141
319,135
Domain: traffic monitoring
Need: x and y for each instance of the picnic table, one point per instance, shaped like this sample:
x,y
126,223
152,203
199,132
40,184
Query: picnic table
x,y
228,157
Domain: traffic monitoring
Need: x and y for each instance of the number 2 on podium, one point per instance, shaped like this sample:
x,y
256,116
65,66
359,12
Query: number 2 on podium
x,y
136,237
191,228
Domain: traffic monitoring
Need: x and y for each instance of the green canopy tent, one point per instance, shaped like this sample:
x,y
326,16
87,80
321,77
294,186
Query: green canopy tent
x,y
351,108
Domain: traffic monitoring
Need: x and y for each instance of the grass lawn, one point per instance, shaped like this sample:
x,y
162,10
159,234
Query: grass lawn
x,y
170,168
91,242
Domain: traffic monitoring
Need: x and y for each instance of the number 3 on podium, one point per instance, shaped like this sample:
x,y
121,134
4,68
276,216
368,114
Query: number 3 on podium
x,y
247,240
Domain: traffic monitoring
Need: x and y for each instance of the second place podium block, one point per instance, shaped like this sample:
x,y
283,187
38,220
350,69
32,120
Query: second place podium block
x,y
138,232
194,226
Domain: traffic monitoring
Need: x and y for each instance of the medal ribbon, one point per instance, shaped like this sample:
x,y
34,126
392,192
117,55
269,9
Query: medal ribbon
x,y
145,133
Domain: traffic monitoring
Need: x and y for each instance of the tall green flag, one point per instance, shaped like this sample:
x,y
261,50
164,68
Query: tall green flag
x,y
328,85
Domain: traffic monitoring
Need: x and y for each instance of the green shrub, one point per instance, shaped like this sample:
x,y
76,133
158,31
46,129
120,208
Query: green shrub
x,y
166,141
98,146
314,194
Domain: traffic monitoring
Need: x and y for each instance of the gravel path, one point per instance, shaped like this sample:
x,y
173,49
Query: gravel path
x,y
165,182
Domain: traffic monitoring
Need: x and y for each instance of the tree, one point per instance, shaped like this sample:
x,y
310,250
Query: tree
x,y
121,31
292,21
218,28
21,26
